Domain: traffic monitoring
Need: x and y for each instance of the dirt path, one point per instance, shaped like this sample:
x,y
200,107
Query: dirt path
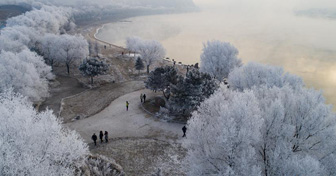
x,y
140,143
95,100
121,123
65,86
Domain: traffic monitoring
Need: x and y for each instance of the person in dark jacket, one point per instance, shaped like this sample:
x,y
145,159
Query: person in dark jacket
x,y
144,98
184,129
106,136
94,138
101,135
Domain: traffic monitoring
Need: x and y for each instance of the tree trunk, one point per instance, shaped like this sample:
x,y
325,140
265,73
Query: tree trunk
x,y
68,68
147,69
91,80
166,96
265,160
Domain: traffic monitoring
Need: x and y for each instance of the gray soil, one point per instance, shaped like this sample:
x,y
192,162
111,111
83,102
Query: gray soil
x,y
63,86
94,100
144,156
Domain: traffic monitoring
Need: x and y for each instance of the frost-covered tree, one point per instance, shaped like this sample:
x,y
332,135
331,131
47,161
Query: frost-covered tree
x,y
33,143
71,49
132,43
48,49
26,73
189,92
93,67
222,134
299,127
255,74
22,69
45,19
31,26
8,44
150,50
219,59
22,34
139,64
161,79
296,135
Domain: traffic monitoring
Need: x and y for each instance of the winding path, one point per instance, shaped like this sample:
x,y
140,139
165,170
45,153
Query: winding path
x,y
127,124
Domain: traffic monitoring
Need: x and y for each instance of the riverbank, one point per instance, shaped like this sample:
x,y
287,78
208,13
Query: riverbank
x,y
90,27
91,32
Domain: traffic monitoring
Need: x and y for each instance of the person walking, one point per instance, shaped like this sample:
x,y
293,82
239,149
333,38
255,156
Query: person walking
x,y
106,136
144,98
101,136
94,138
141,97
127,105
184,129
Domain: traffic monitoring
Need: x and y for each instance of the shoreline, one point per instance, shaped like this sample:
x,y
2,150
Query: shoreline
x,y
90,31
96,31
123,15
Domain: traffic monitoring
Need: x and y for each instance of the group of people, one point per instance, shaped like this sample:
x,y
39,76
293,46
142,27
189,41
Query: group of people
x,y
143,98
101,136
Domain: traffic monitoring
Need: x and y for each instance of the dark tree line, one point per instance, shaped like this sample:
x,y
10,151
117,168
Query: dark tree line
x,y
183,94
139,65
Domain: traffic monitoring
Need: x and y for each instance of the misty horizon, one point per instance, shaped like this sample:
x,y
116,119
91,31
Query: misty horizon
x,y
283,34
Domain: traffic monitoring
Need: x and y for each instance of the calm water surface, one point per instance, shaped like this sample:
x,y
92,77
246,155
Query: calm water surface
x,y
301,45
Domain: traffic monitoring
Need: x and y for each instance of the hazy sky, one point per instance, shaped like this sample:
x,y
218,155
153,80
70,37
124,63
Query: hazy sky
x,y
261,4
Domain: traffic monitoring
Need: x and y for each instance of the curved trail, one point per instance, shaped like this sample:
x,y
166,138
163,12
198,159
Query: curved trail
x,y
138,142
127,124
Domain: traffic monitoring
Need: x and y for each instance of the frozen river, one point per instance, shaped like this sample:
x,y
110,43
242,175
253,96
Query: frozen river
x,y
274,35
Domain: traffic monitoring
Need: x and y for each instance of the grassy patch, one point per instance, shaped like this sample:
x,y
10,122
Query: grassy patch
x,y
153,105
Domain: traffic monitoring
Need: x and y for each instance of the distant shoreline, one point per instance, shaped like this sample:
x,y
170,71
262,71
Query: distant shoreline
x,y
96,30
89,29
94,25
102,41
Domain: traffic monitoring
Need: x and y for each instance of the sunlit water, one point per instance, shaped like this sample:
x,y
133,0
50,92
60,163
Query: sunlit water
x,y
301,45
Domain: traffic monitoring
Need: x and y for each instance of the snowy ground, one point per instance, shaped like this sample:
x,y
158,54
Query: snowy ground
x,y
144,156
139,142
